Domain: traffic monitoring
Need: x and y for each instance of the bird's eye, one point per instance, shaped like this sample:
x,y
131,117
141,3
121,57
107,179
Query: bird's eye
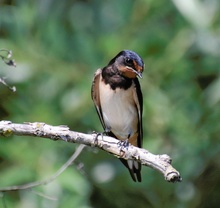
x,y
129,61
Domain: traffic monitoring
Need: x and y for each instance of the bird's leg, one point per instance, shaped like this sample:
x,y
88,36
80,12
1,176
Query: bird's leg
x,y
123,144
107,130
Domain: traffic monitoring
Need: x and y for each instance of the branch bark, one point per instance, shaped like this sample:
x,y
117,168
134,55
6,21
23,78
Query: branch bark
x,y
161,163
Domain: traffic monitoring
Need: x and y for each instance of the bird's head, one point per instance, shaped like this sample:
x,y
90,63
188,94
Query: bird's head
x,y
128,63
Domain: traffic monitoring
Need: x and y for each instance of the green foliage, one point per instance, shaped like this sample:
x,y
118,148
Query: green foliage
x,y
58,45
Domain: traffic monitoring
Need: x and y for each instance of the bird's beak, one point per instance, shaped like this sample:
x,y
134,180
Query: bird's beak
x,y
138,73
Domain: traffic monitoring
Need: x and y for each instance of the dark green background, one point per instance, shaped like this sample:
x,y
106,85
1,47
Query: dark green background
x,y
58,45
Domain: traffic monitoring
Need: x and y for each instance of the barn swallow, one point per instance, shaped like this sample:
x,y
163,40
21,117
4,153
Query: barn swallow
x,y
117,96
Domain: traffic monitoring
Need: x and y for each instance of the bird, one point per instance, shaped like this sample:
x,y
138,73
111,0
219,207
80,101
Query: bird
x,y
118,100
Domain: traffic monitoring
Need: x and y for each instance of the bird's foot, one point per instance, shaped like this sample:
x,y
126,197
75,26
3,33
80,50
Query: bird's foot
x,y
96,135
123,144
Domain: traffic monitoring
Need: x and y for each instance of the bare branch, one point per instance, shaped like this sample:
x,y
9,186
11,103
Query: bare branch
x,y
161,163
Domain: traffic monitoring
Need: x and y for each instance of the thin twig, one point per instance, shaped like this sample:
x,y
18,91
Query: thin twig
x,y
13,88
48,180
7,58
44,195
10,62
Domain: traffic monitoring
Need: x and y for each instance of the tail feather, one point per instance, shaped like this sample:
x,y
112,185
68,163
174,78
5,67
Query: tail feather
x,y
134,169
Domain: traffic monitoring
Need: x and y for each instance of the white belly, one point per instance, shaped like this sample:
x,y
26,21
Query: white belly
x,y
119,111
